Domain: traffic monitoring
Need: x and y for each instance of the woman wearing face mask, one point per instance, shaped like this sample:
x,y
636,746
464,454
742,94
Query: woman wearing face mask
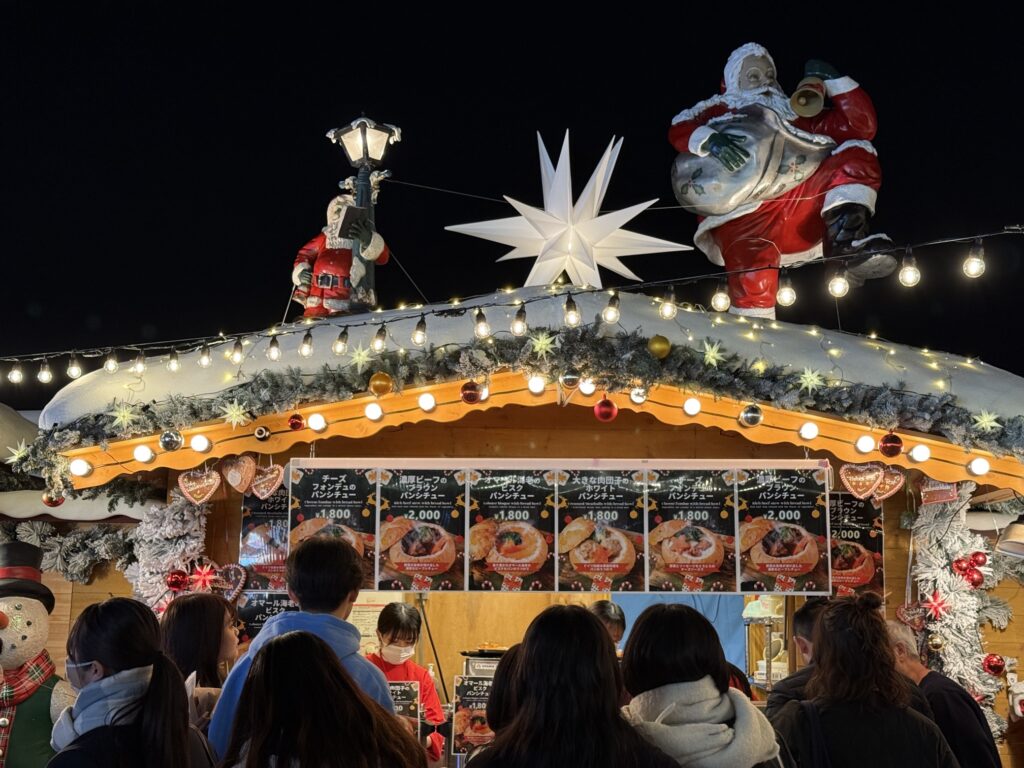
x,y
131,708
398,630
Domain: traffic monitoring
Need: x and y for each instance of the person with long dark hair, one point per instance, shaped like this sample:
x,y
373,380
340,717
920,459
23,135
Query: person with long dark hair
x,y
131,709
857,709
398,631
566,686
299,707
676,671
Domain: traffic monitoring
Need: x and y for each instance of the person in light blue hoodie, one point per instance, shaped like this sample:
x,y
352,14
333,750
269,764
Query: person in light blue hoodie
x,y
324,576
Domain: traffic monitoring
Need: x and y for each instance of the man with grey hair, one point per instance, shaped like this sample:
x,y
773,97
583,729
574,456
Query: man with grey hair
x,y
955,711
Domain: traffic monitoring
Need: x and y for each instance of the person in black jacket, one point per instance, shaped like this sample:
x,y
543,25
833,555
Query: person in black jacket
x,y
792,687
131,709
856,713
956,712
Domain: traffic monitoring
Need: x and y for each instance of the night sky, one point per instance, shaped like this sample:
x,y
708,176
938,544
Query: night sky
x,y
160,165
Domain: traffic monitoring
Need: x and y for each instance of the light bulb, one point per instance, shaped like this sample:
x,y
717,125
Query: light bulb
x,y
588,387
274,350
571,313
79,467
419,334
909,275
317,422
920,453
865,443
427,402
110,364
809,430
15,376
45,375
638,395
519,324
481,327
485,392
200,443
306,347
611,314
691,406
536,384
786,295
974,264
205,359
380,340
340,345
374,412
139,364
143,454
978,466
668,308
839,286
237,353
721,302
74,367
173,364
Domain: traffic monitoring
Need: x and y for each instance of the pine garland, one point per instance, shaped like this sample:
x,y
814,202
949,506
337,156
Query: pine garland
x,y
76,552
940,537
616,362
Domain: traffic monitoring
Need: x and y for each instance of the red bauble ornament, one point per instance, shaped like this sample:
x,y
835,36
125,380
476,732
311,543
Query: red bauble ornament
x,y
470,393
295,421
974,577
890,445
979,559
176,581
52,501
962,565
994,664
605,410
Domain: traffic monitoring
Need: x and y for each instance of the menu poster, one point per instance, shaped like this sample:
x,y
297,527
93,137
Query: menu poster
x,y
364,617
254,608
406,696
691,527
857,545
601,531
422,519
469,721
512,530
335,502
783,530
263,542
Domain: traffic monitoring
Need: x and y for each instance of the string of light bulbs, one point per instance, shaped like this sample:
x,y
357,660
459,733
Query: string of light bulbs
x,y
838,286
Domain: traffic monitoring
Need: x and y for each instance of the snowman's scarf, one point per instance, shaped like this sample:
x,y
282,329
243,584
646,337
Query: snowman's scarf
x,y
22,682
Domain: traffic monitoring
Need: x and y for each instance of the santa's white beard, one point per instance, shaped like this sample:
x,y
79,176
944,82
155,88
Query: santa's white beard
x,y
775,100
334,239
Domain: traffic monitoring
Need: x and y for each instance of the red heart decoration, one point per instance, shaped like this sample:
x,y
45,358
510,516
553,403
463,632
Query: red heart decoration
x,y
892,481
199,485
861,480
267,480
239,471
913,615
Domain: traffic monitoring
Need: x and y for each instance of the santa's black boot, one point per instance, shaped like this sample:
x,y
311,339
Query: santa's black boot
x,y
846,234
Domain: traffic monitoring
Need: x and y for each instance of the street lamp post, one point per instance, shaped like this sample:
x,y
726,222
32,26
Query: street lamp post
x,y
365,143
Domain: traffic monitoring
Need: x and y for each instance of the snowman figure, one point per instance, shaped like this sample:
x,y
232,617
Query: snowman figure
x,y
32,696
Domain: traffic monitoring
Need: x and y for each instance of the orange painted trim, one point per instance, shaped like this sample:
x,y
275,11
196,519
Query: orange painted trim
x,y
346,418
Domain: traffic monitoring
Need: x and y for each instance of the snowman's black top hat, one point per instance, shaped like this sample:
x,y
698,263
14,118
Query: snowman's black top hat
x,y
20,574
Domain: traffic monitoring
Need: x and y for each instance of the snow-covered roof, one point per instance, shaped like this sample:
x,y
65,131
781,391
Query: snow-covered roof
x,y
23,505
839,357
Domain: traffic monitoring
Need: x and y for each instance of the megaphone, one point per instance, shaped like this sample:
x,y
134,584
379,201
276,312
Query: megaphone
x,y
809,97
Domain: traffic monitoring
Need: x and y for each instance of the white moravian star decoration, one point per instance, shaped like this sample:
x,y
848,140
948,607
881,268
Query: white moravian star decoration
x,y
561,236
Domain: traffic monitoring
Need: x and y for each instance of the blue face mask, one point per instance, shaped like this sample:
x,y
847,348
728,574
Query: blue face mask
x,y
73,676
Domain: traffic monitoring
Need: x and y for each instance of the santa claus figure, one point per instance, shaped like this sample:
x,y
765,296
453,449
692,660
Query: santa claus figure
x,y
327,279
32,696
773,188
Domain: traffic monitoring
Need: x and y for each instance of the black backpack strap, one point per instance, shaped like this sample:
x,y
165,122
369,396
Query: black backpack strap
x,y
819,753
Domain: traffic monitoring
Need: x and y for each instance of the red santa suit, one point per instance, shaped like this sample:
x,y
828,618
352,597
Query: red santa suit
x,y
787,229
324,274
430,704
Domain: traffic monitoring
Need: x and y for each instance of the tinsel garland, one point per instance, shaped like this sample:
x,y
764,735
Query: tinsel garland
x,y
616,362
76,552
941,536
167,538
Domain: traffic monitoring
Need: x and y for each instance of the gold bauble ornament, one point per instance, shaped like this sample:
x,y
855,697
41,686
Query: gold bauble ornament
x,y
381,384
659,346
936,642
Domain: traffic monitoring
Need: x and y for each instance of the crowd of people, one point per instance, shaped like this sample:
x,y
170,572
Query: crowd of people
x,y
162,694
